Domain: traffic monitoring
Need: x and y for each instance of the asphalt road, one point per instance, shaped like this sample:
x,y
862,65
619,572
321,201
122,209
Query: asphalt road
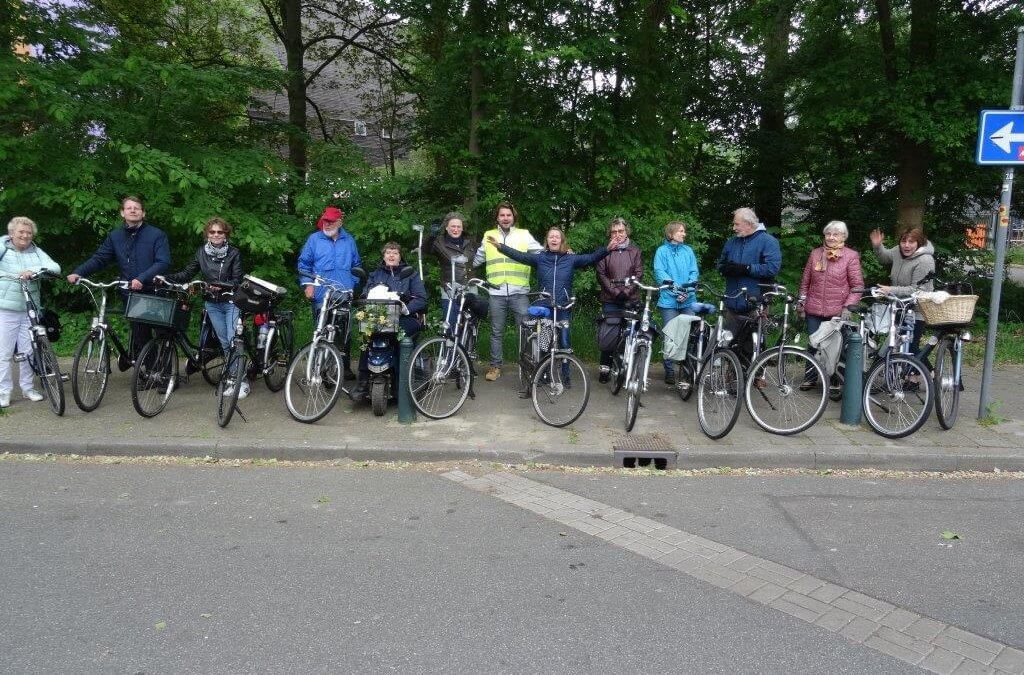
x,y
150,568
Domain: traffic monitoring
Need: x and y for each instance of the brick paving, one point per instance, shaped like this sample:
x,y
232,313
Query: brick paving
x,y
904,635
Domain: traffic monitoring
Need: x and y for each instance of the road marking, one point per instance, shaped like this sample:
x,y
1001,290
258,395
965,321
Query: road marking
x,y
884,627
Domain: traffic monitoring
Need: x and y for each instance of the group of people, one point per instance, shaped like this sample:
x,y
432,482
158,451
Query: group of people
x,y
508,253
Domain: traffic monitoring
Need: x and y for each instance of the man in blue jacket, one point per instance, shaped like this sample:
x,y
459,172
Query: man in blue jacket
x,y
750,258
330,252
141,252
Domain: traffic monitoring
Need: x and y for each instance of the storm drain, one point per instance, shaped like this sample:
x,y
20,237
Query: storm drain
x,y
645,450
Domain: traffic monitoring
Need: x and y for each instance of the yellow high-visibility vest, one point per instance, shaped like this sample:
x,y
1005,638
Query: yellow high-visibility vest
x,y
502,270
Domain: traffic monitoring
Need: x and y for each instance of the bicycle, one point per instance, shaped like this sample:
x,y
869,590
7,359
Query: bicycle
x,y
156,372
721,373
314,378
636,354
702,336
42,359
441,369
775,376
951,322
898,392
547,370
267,358
90,370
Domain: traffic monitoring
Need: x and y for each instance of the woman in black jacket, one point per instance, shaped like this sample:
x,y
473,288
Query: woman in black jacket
x,y
453,241
220,265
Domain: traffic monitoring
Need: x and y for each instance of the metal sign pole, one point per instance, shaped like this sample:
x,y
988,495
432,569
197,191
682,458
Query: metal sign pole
x,y
1000,238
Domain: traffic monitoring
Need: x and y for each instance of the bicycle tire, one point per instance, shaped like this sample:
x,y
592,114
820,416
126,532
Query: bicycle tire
x,y
313,382
947,388
48,370
437,366
550,396
686,375
278,356
635,384
526,366
718,393
155,376
230,386
90,371
618,374
791,409
213,363
378,397
890,408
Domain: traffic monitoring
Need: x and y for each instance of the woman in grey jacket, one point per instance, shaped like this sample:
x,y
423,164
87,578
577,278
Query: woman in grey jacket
x,y
20,257
911,265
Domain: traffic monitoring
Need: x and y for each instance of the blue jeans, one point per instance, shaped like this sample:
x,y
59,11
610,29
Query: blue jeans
x,y
223,316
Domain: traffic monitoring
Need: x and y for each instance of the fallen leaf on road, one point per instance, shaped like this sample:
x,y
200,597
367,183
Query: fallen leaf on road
x,y
160,625
949,534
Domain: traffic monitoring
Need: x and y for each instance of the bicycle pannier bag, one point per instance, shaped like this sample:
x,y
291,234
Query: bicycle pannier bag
x,y
255,296
50,320
609,332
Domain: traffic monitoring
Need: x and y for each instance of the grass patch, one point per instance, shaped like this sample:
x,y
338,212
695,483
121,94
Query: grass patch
x,y
1009,345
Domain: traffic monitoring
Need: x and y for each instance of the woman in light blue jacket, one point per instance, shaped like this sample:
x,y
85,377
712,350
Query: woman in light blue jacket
x,y
19,257
675,260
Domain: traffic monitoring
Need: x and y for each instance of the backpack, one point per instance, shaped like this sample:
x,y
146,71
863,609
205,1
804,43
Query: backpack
x,y
50,320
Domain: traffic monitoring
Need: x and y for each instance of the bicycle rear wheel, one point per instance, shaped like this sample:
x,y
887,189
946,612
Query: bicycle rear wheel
x,y
279,354
560,394
90,371
686,378
230,385
947,385
440,378
313,382
718,393
49,374
775,398
893,405
155,376
635,384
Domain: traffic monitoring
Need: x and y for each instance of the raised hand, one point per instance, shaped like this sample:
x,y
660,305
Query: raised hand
x,y
876,237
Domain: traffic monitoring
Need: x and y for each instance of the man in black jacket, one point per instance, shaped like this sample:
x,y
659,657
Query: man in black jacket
x,y
141,252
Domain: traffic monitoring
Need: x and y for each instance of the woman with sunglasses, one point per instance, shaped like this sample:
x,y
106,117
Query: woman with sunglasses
x,y
220,265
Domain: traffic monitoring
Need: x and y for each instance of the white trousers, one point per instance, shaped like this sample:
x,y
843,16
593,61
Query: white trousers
x,y
14,331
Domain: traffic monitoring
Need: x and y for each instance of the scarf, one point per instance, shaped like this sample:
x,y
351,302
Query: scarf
x,y
458,242
830,254
217,253
624,245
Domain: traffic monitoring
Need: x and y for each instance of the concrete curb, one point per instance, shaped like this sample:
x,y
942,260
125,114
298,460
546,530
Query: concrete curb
x,y
701,457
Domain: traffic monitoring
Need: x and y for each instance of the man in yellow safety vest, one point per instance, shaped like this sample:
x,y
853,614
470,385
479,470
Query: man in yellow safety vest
x,y
511,278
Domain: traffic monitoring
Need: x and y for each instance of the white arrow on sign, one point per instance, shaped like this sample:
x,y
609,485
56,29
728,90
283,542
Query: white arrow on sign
x,y
1005,136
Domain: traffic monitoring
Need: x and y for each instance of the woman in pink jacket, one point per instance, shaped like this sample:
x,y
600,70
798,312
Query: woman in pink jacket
x,y
830,275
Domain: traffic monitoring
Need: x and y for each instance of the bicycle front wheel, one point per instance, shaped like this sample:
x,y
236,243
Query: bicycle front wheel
x,y
49,374
278,355
897,395
786,390
155,376
947,384
635,384
440,378
560,390
90,371
718,393
229,386
313,382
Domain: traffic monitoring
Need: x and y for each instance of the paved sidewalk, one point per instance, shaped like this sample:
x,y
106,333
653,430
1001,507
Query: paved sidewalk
x,y
498,426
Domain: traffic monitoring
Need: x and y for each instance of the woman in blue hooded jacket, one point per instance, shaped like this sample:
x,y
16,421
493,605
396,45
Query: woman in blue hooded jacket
x,y
556,267
675,260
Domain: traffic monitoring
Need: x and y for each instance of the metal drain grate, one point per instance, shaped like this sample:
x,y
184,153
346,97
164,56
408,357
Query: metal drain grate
x,y
642,450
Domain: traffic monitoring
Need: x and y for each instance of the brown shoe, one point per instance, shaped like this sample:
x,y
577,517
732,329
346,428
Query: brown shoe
x,y
493,373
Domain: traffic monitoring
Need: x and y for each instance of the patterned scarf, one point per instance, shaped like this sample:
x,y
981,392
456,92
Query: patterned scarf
x,y
831,253
218,253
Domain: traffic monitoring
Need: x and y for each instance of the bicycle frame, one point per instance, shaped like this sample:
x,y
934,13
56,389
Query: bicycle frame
x,y
99,323
327,317
636,337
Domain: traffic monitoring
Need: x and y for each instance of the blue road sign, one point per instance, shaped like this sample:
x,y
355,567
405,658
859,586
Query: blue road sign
x,y
1001,137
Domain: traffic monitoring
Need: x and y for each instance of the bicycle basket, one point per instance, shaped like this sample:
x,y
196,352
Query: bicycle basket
x,y
158,310
255,296
957,309
378,317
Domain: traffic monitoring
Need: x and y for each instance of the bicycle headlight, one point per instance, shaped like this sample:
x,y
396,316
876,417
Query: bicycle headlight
x,y
724,338
966,336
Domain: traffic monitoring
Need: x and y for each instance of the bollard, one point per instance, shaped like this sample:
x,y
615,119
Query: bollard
x,y
854,382
406,411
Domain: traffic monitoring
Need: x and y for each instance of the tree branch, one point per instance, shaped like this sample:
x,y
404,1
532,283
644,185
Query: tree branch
x,y
320,119
273,21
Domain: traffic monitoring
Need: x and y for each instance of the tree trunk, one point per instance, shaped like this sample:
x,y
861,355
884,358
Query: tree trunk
x,y
476,114
771,140
291,15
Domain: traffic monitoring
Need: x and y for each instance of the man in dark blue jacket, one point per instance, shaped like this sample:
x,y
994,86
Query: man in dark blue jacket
x,y
141,252
750,258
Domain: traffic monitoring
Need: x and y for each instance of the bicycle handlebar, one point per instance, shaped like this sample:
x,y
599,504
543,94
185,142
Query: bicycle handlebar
x,y
122,284
41,274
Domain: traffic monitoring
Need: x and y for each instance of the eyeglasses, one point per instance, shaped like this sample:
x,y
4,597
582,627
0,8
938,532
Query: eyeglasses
x,y
216,232
618,231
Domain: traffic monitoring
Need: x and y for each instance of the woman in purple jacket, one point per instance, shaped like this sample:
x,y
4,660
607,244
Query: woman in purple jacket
x,y
830,275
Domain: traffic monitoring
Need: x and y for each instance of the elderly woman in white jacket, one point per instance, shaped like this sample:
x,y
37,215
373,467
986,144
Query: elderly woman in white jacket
x,y
19,257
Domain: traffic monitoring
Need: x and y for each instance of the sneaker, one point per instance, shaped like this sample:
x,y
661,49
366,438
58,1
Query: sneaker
x,y
493,373
807,385
605,374
670,379
191,367
33,395
124,362
349,375
244,390
5,400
